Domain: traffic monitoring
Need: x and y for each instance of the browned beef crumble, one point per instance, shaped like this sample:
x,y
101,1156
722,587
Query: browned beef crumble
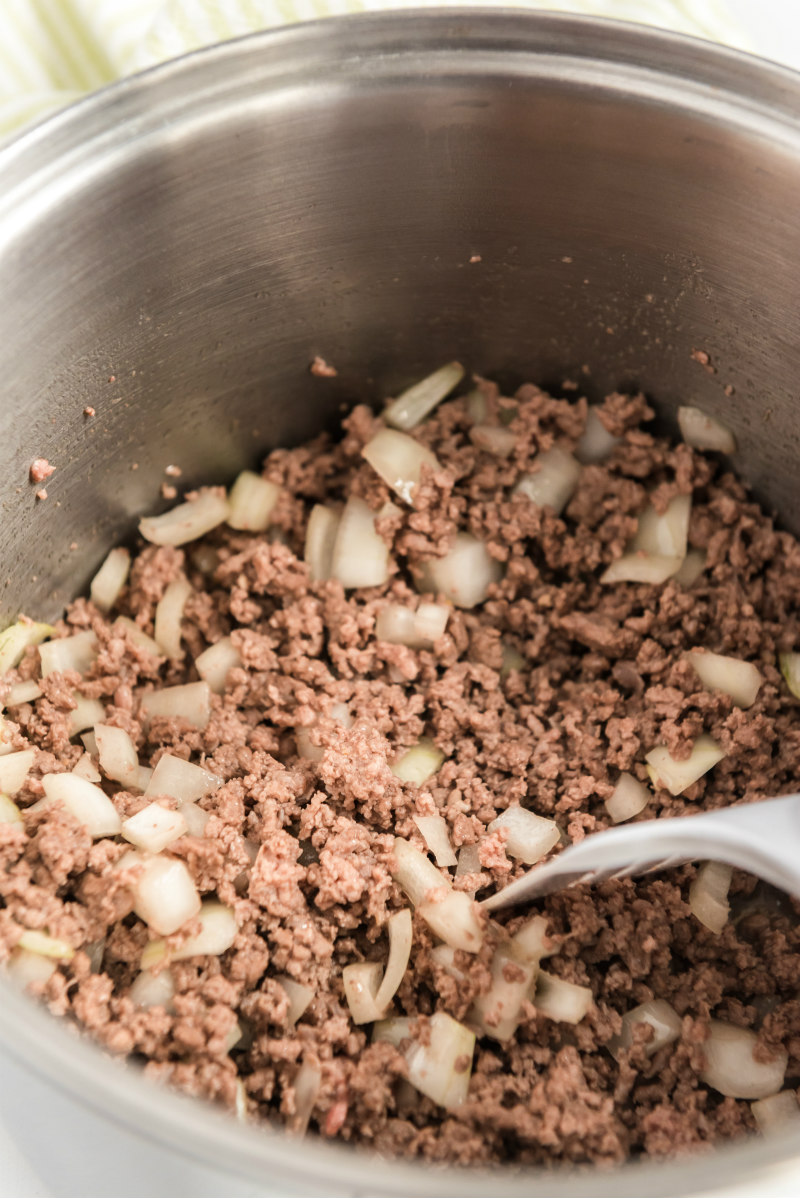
x,y
301,850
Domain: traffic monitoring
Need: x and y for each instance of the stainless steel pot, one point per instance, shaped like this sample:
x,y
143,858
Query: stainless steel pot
x,y
175,250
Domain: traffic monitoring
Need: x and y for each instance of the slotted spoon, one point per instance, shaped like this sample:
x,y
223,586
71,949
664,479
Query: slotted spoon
x,y
762,838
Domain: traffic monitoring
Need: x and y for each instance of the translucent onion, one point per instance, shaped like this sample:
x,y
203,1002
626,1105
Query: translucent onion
x,y
399,459
445,957
394,1030
45,945
400,938
498,1012
14,770
143,777
9,811
451,915
493,439
708,895
215,663
107,584
531,942
195,818
321,532
217,933
418,629
662,1018
124,626
165,898
739,679
181,780
476,407
23,692
87,713
435,1068
169,613
416,402
731,1068
87,769
562,1001
415,873
117,754
29,969
512,660
251,502
85,801
307,1085
360,554
705,432
664,534
190,702
629,797
153,989
302,734
529,836
186,521
790,668
693,566
596,443
469,861
678,776
463,575
299,996
649,568
434,831
361,982
154,827
76,652
17,638
553,482
777,1113
419,763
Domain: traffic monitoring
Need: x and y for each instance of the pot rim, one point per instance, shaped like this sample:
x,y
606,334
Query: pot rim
x,y
63,152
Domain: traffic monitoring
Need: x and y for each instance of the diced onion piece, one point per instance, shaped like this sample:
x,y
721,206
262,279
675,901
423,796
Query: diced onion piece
x,y
416,402
299,996
702,431
154,827
678,776
553,482
240,1102
418,629
6,737
181,780
143,776
790,668
123,625
649,568
493,439
469,861
166,897
361,982
693,566
596,442
117,753
251,501
452,917
360,554
186,521
153,989
215,663
433,829
445,957
95,950
14,769
476,407
87,769
107,584
665,534
30,969
169,613
739,679
217,923
629,797
398,459
463,575
414,873
419,763
17,638
731,1068
531,942
436,1068
190,702
9,811
302,734
530,836
394,1030
307,1085
400,937
23,692
512,660
87,713
195,818
430,622
562,1001
85,801
90,742
708,895
777,1113
498,1012
46,946
76,652
321,532
662,1018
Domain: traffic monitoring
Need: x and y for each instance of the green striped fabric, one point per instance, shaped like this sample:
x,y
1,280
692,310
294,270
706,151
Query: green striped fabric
x,y
53,51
